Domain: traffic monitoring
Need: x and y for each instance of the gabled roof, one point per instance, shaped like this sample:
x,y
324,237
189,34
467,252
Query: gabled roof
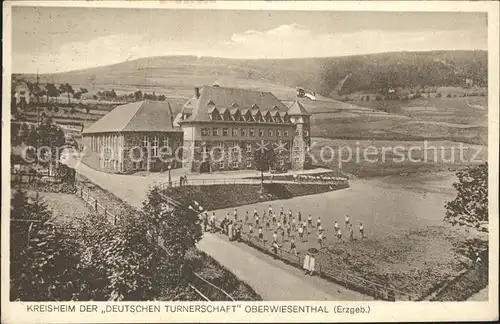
x,y
223,97
296,109
142,116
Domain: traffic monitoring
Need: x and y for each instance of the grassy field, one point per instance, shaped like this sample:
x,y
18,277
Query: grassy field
x,y
456,119
407,244
384,157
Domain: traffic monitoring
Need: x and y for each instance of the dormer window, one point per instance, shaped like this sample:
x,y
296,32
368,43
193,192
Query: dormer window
x,y
235,105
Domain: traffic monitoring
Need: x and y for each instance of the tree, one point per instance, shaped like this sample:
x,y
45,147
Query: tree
x,y
52,91
138,95
264,159
43,259
68,89
470,207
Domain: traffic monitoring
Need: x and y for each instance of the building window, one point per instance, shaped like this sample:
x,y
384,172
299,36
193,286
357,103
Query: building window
x,y
278,133
221,165
297,160
249,164
225,132
244,132
285,133
235,131
235,164
236,147
215,131
249,148
145,141
205,131
296,147
219,145
165,141
154,149
270,133
306,133
297,132
252,132
261,132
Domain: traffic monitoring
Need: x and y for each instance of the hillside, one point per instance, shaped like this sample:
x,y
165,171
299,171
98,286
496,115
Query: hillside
x,y
176,75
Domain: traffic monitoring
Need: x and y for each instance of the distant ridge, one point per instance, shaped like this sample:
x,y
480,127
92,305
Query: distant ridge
x,y
373,72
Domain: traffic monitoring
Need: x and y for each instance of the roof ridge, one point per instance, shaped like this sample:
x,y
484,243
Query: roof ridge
x,y
132,117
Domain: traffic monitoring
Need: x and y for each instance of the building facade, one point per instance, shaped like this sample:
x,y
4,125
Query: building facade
x,y
223,127
139,136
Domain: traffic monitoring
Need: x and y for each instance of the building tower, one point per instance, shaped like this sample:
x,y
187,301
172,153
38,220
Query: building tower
x,y
301,142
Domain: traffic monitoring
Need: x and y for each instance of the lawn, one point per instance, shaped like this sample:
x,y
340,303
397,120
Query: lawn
x,y
407,244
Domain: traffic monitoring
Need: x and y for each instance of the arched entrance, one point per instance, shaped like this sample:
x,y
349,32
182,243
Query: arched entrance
x,y
205,167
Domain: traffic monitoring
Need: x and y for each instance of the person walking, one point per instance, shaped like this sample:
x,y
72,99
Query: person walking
x,y
270,210
267,224
293,247
339,235
335,227
288,230
309,221
274,219
289,214
250,230
261,235
351,233
185,180
278,225
230,231
347,221
361,230
275,237
304,227
254,212
275,249
318,221
300,217
212,222
301,234
320,239
246,217
294,225
235,213
256,220
320,228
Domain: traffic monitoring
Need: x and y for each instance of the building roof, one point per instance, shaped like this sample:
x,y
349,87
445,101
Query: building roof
x,y
142,116
222,97
296,109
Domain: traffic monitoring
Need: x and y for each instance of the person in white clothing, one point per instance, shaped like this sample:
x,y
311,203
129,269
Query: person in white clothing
x,y
347,221
312,264
306,262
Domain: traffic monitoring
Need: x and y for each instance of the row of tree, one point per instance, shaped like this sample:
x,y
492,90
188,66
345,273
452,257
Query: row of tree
x,y
135,96
91,259
50,90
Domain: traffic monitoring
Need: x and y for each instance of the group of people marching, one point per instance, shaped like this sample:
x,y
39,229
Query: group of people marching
x,y
280,226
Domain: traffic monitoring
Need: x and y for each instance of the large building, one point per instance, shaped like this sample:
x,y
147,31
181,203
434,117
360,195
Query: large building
x,y
224,126
131,137
218,129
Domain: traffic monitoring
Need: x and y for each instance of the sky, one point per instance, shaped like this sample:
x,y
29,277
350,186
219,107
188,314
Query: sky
x,y
64,39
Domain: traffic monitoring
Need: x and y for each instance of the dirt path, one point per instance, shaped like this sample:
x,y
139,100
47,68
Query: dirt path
x,y
271,278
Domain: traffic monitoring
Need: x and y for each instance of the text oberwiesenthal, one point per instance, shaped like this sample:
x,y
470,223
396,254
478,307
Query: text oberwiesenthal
x,y
205,308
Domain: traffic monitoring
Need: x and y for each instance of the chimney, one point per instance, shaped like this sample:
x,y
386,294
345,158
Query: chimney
x,y
197,92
